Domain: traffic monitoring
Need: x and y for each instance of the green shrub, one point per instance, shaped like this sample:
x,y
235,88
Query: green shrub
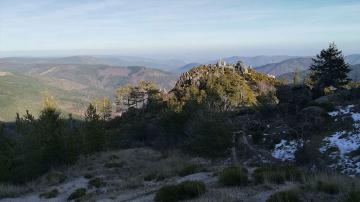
x,y
233,176
284,196
277,174
88,176
328,187
55,177
50,194
210,137
353,196
150,177
183,191
328,106
78,193
96,182
190,169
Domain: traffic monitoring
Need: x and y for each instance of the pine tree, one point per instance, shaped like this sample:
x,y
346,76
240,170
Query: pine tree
x,y
297,77
104,107
329,69
93,136
90,114
7,156
49,101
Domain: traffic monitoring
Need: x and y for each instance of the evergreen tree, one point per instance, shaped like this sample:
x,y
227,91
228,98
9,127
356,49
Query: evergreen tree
x,y
7,156
90,114
297,77
103,106
93,136
329,69
49,101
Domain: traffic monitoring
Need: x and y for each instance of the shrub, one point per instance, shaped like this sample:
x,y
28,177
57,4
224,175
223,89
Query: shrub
x,y
50,194
210,137
88,176
328,106
150,177
183,191
55,177
328,187
284,196
190,169
96,182
233,176
78,193
277,174
353,196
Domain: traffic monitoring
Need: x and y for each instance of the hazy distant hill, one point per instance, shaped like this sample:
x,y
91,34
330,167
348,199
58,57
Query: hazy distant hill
x,y
286,66
105,60
253,61
354,74
353,59
24,80
258,60
301,64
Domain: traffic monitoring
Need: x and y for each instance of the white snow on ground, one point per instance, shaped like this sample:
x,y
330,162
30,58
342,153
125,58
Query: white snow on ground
x,y
344,142
285,150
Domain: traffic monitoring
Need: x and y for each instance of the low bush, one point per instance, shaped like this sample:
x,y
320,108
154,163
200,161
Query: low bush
x,y
328,187
284,196
78,193
88,176
183,191
277,174
353,196
190,169
96,182
55,177
233,176
50,194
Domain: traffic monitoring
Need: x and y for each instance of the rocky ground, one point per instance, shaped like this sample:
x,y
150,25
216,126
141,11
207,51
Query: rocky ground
x,y
136,175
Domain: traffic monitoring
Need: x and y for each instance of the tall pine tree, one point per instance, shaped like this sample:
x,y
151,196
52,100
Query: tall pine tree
x,y
329,69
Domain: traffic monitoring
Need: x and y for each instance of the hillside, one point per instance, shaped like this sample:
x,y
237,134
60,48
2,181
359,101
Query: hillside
x,y
353,59
75,85
286,66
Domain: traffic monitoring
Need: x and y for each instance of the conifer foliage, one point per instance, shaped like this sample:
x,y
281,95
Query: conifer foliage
x,y
329,69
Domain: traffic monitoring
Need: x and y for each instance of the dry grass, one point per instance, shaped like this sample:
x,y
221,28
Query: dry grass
x,y
344,183
10,191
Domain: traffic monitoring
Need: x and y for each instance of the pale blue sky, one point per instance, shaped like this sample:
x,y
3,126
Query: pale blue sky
x,y
177,28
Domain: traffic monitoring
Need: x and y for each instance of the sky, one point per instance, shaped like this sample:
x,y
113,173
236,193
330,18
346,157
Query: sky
x,y
186,29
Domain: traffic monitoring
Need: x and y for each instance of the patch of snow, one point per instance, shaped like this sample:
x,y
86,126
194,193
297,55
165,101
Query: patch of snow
x,y
341,111
285,150
344,142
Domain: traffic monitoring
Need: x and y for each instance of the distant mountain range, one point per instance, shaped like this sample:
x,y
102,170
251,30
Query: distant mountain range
x,y
253,61
275,65
354,74
95,60
300,63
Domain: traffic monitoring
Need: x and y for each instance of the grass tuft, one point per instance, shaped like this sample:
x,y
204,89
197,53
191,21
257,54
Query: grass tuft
x,y
183,191
284,196
233,176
